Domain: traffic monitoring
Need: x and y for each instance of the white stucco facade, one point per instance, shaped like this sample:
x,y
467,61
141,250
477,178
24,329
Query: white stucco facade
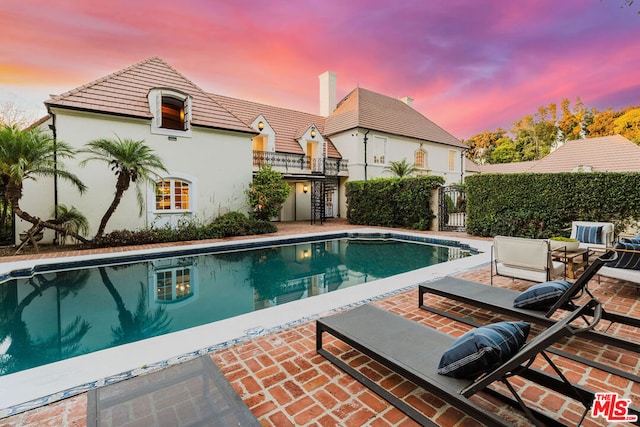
x,y
440,159
217,164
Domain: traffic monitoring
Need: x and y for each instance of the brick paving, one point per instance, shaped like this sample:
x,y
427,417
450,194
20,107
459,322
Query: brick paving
x,y
285,383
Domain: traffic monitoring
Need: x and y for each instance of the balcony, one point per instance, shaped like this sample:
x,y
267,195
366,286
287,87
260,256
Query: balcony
x,y
292,163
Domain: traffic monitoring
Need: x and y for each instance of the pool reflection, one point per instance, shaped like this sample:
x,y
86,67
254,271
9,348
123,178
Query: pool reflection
x,y
54,316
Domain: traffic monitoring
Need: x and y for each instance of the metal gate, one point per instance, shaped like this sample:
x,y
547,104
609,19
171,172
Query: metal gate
x,y
452,208
317,201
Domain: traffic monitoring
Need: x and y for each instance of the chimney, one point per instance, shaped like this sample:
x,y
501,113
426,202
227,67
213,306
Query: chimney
x,y
407,100
327,93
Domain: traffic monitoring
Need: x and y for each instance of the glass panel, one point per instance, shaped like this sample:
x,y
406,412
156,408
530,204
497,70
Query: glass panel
x,y
183,283
163,286
172,113
419,160
181,194
163,195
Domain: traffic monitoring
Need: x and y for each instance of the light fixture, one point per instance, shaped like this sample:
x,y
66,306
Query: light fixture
x,y
305,254
305,188
260,125
313,132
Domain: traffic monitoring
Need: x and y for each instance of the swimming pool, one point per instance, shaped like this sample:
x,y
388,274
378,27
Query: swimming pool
x,y
74,375
55,315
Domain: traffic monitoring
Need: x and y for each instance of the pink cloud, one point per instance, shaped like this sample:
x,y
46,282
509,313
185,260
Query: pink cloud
x,y
469,65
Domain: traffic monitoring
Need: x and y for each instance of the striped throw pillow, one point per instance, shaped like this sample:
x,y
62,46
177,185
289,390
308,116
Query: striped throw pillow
x,y
589,234
628,260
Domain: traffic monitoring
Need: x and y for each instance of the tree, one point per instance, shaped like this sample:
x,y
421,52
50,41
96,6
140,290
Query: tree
x,y
72,220
28,154
482,144
401,169
505,151
267,193
602,124
535,135
132,162
13,115
628,125
570,124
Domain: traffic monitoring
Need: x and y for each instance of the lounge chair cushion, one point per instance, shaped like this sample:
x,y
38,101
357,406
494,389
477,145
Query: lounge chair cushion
x,y
541,296
483,349
589,234
634,240
628,260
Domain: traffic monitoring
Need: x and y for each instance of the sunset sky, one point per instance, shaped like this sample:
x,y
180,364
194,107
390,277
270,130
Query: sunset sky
x,y
469,65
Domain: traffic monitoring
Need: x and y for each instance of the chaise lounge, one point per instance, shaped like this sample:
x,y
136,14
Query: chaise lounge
x,y
627,266
501,300
413,351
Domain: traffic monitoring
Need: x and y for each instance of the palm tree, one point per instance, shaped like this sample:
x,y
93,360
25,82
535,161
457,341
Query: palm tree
x,y
27,154
401,169
144,323
131,161
72,220
64,343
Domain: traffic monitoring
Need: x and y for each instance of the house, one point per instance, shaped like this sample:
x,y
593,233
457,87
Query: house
x,y
602,154
213,144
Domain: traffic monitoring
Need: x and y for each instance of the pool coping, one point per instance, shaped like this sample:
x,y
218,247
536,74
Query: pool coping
x,y
39,386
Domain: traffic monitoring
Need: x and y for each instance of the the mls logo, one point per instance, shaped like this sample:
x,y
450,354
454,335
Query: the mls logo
x,y
612,408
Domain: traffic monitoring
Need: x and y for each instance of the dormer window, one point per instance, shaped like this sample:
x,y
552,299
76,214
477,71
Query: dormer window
x,y
171,111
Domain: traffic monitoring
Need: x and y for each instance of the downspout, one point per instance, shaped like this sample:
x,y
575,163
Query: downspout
x,y
53,129
365,154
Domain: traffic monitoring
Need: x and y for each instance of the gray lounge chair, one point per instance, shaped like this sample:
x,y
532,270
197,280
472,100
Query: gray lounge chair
x,y
413,351
500,300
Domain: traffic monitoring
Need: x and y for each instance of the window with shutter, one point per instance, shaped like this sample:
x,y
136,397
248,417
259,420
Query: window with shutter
x,y
171,111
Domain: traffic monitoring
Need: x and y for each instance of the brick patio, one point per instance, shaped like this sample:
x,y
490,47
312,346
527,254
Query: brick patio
x,y
285,383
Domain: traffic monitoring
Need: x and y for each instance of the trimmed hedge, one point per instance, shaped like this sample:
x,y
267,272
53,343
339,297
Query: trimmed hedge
x,y
392,202
227,225
544,205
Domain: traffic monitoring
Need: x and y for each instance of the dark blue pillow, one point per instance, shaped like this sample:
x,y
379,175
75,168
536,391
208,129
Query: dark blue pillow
x,y
542,296
634,240
483,349
628,260
589,234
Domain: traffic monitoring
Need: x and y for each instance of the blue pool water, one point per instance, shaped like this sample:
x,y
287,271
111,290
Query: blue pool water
x,y
58,314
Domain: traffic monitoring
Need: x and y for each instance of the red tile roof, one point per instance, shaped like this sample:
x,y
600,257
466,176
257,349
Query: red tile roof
x,y
515,167
365,109
125,93
603,154
289,125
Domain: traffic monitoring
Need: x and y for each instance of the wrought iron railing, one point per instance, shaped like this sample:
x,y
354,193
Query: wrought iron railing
x,y
335,166
300,162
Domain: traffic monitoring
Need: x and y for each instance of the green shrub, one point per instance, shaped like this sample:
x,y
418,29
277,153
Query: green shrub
x,y
266,194
392,202
564,239
228,225
544,205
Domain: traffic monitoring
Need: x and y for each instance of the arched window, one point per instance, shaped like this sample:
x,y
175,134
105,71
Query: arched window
x,y
173,285
172,194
